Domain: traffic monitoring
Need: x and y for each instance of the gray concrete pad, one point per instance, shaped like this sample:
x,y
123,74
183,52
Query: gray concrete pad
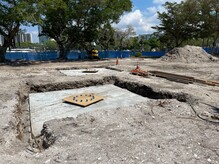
x,y
49,105
79,72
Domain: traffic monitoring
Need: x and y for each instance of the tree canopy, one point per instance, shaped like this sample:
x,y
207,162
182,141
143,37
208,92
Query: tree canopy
x,y
72,22
123,37
176,24
13,13
77,23
106,37
188,20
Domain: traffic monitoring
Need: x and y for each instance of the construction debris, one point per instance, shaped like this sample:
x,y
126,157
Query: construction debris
x,y
212,83
182,78
138,71
173,77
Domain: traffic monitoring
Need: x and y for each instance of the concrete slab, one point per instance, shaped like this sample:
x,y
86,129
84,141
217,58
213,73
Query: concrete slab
x,y
49,105
79,72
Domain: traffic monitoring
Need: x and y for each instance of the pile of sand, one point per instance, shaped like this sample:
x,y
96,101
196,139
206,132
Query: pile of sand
x,y
187,54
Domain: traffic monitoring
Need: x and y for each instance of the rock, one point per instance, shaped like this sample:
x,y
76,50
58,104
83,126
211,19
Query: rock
x,y
48,137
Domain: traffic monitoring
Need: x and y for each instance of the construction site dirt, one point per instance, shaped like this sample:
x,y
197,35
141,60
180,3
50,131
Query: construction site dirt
x,y
161,121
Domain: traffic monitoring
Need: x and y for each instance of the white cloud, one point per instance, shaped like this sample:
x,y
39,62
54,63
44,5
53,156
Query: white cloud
x,y
154,9
137,20
163,1
142,21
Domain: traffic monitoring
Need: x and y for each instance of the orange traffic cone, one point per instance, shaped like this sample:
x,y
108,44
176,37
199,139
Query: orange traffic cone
x,y
117,61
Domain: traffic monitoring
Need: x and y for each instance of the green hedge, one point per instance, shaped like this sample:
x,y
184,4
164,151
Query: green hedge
x,y
138,54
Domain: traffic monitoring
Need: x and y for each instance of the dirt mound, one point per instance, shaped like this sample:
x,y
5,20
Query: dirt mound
x,y
187,54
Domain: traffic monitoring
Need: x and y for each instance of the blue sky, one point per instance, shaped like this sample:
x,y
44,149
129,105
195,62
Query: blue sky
x,y
141,18
143,15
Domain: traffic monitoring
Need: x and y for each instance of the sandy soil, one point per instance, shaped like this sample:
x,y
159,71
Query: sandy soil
x,y
188,54
178,125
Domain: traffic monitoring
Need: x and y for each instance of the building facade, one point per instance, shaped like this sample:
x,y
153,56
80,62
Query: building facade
x,y
1,40
19,38
42,39
22,37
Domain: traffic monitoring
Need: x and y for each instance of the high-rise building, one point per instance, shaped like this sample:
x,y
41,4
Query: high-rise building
x,y
42,39
21,37
28,37
1,40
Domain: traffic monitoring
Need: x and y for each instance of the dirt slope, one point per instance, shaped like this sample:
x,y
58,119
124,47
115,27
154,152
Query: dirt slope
x,y
187,54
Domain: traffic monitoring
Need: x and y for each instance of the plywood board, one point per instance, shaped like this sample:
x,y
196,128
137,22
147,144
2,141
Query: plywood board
x,y
84,99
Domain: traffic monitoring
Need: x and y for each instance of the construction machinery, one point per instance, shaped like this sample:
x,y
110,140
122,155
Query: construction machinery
x,y
93,54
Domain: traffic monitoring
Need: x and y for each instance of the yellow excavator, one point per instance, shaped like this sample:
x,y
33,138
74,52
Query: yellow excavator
x,y
93,54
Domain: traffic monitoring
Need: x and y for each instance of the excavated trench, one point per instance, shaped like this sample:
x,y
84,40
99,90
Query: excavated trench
x,y
46,138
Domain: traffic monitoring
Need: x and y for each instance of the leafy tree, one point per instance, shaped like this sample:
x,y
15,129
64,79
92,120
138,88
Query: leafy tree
x,y
72,22
142,42
123,37
26,45
189,21
204,18
153,43
50,45
178,23
106,37
13,13
210,16
205,14
134,43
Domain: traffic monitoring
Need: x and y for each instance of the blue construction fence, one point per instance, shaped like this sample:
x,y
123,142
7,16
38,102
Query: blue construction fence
x,y
214,51
30,56
76,55
73,55
156,54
